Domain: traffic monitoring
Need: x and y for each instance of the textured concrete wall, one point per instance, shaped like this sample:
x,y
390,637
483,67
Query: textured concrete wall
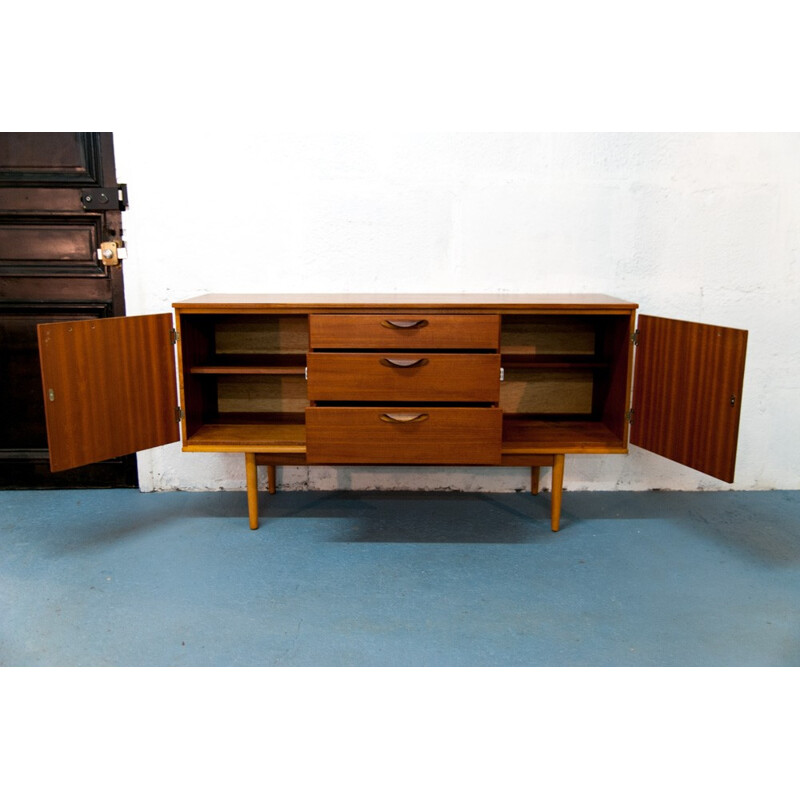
x,y
696,226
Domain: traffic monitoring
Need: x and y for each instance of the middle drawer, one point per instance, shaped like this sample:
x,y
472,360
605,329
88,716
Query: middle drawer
x,y
404,377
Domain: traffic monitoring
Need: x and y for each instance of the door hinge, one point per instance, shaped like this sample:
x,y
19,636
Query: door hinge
x,y
111,252
635,337
502,374
629,415
174,336
111,198
178,413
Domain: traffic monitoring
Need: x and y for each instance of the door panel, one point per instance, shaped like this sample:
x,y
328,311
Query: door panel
x,y
687,393
52,158
109,387
34,246
49,270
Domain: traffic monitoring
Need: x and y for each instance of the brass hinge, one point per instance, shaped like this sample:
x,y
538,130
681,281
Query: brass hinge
x,y
635,337
174,336
629,415
178,413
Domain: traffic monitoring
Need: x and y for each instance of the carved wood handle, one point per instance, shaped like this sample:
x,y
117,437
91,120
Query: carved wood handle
x,y
404,363
404,324
403,418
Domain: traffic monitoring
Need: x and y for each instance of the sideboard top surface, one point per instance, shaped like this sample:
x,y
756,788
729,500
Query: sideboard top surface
x,y
445,302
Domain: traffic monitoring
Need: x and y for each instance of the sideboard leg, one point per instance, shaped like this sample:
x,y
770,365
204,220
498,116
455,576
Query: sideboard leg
x,y
534,480
558,483
251,473
271,484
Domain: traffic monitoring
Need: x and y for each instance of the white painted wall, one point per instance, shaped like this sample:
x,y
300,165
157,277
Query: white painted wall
x,y
696,226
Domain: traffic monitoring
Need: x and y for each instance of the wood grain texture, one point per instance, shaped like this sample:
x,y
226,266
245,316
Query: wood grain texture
x,y
435,377
444,436
687,393
378,303
376,332
112,384
522,435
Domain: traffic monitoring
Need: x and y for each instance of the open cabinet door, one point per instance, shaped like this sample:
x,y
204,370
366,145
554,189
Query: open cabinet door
x,y
109,387
687,393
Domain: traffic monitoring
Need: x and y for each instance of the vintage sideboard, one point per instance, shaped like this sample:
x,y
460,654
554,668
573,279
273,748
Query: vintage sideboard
x,y
511,380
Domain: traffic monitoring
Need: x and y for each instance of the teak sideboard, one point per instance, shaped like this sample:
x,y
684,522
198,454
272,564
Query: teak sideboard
x,y
491,380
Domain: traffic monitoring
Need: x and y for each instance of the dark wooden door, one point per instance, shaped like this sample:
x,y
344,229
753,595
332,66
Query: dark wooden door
x,y
687,393
109,387
59,201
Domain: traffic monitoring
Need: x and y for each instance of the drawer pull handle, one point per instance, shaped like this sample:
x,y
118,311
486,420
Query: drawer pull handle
x,y
403,417
404,363
404,324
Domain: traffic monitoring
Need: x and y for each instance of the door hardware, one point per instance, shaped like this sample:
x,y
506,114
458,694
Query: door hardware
x,y
111,252
105,198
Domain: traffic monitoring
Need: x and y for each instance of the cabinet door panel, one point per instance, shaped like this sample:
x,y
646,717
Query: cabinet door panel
x,y
109,387
687,393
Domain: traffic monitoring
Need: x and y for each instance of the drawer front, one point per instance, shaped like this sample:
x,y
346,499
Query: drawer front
x,y
404,331
404,377
409,435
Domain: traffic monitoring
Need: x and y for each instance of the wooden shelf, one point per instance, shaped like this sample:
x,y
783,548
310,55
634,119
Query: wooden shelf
x,y
523,434
253,365
519,360
237,437
215,369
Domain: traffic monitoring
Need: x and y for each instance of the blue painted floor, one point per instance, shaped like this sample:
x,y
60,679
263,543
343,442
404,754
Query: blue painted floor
x,y
121,578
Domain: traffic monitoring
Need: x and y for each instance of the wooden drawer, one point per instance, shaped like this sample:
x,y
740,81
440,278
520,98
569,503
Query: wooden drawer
x,y
404,331
404,377
403,435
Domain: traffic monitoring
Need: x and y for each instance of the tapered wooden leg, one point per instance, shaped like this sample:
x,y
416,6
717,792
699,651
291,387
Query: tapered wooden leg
x,y
252,488
558,482
534,480
271,484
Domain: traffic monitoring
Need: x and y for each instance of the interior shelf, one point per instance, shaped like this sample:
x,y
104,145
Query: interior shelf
x,y
253,365
256,433
522,360
523,434
220,369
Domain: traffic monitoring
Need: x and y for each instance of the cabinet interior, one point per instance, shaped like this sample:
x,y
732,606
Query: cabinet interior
x,y
243,378
565,380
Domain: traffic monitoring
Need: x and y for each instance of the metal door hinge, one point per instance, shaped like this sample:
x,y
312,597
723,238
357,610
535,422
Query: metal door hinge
x,y
629,415
111,252
178,413
174,336
635,337
99,198
502,374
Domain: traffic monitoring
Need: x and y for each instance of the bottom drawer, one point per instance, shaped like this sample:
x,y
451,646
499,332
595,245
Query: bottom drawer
x,y
408,435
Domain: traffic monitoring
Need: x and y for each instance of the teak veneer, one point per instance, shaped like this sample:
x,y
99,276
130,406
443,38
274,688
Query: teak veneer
x,y
482,380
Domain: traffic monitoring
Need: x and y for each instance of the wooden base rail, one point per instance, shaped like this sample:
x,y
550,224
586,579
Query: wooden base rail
x,y
555,460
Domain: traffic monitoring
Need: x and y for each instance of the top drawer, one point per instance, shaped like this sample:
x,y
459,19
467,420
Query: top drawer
x,y
404,331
